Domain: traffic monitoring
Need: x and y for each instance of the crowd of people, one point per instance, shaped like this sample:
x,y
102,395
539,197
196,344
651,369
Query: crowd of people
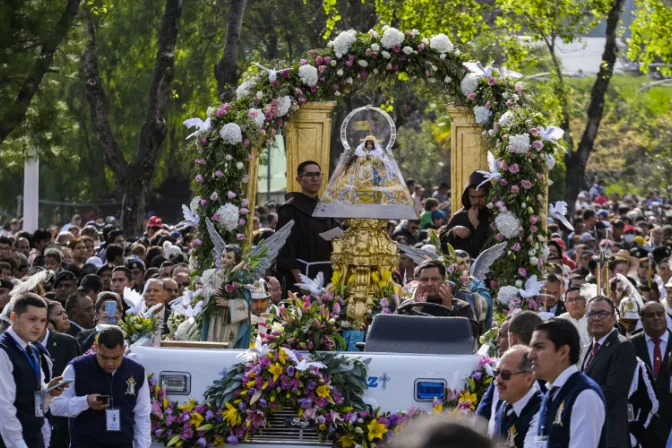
x,y
596,374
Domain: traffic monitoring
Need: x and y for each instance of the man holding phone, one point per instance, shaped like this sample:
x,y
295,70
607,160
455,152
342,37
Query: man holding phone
x,y
111,407
108,312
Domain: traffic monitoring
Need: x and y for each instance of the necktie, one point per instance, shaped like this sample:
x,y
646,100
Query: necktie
x,y
593,352
657,358
503,419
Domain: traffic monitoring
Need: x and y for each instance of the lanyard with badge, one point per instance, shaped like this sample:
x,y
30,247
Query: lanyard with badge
x,y
35,366
112,415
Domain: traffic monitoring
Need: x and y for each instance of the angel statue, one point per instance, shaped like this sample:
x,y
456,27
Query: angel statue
x,y
227,306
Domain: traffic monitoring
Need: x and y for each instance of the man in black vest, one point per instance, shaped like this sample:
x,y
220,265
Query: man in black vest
x,y
653,346
520,400
23,395
110,406
611,361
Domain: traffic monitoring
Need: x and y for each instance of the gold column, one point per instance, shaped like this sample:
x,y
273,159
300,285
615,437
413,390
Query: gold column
x,y
308,137
252,185
467,151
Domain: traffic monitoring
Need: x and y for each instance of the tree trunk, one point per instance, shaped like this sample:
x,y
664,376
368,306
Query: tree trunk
x,y
561,93
226,70
576,161
13,114
133,180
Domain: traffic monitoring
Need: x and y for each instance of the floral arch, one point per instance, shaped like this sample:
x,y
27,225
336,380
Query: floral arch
x,y
522,145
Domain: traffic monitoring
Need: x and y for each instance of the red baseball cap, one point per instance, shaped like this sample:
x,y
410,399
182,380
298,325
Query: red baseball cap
x,y
154,221
629,228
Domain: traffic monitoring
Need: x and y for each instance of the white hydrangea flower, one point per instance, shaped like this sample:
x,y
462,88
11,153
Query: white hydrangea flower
x,y
391,38
507,119
228,217
532,252
519,143
375,47
519,283
441,43
260,95
308,75
407,50
240,165
231,134
385,54
506,293
339,72
257,115
482,114
508,225
470,83
343,42
244,89
534,260
284,104
363,63
195,203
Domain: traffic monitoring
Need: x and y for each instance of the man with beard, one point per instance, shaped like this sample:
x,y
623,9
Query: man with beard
x,y
434,288
468,229
305,250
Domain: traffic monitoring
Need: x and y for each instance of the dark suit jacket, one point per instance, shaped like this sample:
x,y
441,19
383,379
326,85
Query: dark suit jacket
x,y
63,348
86,338
613,368
662,430
74,331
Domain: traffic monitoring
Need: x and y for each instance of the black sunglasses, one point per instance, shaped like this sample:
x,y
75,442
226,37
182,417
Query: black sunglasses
x,y
506,375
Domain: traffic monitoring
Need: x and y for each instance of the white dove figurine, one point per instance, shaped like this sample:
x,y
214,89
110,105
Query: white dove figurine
x,y
532,288
304,364
559,211
493,174
478,69
259,349
272,73
189,216
313,286
197,123
134,300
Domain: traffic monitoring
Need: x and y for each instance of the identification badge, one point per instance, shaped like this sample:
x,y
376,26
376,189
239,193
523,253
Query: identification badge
x,y
39,410
112,418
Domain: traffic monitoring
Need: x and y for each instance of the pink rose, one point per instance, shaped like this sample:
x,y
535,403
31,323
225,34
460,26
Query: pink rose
x,y
243,211
515,247
319,60
515,188
503,165
199,178
199,162
492,81
533,229
534,132
503,182
196,243
526,184
313,89
303,62
245,203
540,176
509,103
321,68
246,143
230,194
514,169
327,60
522,272
216,217
240,236
531,304
471,96
246,179
229,288
351,57
241,222
499,237
218,173
534,219
396,48
493,285
493,226
204,201
363,75
488,105
421,47
349,63
204,141
538,145
214,196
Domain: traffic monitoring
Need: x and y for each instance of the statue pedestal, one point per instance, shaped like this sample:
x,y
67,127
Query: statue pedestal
x,y
467,152
308,137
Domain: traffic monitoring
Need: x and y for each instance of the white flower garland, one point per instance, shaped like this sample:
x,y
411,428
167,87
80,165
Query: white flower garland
x,y
228,216
470,83
482,114
244,89
284,105
231,134
343,42
519,143
506,293
308,75
506,120
508,225
257,115
441,43
392,37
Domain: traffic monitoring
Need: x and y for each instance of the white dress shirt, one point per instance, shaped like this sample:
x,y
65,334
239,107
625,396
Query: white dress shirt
x,y
588,415
70,405
581,326
650,345
10,427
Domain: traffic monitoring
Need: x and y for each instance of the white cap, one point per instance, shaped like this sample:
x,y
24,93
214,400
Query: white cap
x,y
95,261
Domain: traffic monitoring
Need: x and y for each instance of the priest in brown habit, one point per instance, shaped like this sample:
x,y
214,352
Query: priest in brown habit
x,y
305,251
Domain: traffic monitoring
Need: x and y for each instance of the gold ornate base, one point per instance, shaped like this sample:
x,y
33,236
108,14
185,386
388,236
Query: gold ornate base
x,y
364,259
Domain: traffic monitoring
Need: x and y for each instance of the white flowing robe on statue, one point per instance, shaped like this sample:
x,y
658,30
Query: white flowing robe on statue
x,y
223,326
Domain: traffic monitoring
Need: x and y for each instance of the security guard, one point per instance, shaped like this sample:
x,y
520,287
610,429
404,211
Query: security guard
x,y
23,394
110,406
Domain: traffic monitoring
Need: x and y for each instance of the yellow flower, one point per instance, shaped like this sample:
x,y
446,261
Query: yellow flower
x,y
322,427
382,285
231,415
376,430
335,277
282,357
219,442
250,384
276,371
437,409
264,386
468,396
165,403
323,391
346,442
375,277
301,412
189,406
196,419
387,275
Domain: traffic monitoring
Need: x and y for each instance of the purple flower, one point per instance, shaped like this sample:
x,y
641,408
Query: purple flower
x,y
534,132
515,188
534,229
204,141
204,201
209,415
230,194
514,168
290,371
188,432
199,162
384,302
492,81
245,203
219,173
363,75
337,308
241,222
515,247
214,196
421,47
471,96
201,442
499,237
243,211
158,432
232,439
531,304
538,145
476,375
503,182
199,178
522,272
306,403
196,243
526,184
303,62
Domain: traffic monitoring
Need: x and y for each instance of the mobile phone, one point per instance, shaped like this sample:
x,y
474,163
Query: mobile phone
x,y
61,384
111,311
103,399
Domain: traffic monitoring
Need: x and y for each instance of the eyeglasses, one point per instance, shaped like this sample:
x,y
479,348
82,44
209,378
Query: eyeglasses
x,y
601,314
506,375
312,175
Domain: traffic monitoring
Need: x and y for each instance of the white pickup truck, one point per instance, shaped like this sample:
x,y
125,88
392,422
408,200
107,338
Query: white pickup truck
x,y
413,360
